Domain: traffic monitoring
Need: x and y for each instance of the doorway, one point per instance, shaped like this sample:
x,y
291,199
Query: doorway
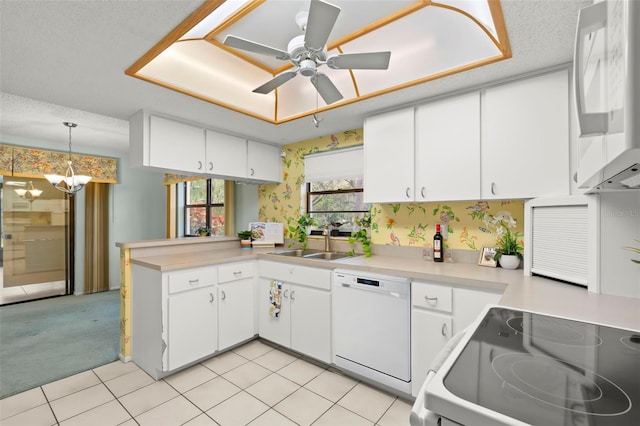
x,y
36,240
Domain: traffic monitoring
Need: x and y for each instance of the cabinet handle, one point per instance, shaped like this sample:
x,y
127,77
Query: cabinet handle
x,y
196,281
199,165
493,188
432,299
237,273
406,192
422,192
210,165
211,297
444,330
252,171
292,293
224,296
285,294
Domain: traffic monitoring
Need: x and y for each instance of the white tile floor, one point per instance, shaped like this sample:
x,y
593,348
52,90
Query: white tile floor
x,y
254,384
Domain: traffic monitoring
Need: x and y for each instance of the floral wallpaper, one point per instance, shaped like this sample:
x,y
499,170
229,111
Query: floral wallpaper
x,y
468,223
28,162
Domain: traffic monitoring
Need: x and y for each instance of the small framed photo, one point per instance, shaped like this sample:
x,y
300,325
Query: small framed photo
x,y
487,257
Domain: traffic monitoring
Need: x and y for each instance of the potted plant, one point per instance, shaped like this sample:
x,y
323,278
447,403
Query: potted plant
x,y
299,232
361,235
509,249
203,231
245,238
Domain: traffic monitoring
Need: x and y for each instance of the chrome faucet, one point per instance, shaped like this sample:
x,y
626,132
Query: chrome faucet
x,y
327,241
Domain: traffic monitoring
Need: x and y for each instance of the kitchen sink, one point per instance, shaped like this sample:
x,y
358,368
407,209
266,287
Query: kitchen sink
x,y
297,252
312,254
327,255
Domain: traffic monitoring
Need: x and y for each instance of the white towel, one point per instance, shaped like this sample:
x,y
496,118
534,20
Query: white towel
x,y
275,296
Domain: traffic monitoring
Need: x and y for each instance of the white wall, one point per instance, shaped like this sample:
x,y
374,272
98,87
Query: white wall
x,y
246,208
619,228
137,207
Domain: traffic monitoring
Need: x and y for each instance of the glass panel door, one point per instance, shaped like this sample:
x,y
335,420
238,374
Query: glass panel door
x,y
34,240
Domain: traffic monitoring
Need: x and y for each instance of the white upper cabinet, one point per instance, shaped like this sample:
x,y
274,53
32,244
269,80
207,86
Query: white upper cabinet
x,y
226,155
172,146
525,138
448,149
388,157
176,145
264,162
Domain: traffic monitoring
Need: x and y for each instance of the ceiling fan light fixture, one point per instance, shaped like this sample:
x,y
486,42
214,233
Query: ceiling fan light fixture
x,y
307,67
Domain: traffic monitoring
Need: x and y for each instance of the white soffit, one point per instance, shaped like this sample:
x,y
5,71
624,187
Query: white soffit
x,y
427,40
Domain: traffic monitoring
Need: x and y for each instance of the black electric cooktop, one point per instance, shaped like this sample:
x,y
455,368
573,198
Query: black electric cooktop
x,y
545,370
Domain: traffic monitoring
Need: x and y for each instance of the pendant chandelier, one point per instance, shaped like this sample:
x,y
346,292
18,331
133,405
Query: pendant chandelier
x,y
69,183
30,193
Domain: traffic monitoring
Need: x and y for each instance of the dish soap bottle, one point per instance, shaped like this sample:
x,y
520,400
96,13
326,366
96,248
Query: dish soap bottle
x,y
438,249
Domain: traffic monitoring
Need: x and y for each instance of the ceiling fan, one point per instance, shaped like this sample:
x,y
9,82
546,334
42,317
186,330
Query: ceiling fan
x,y
309,51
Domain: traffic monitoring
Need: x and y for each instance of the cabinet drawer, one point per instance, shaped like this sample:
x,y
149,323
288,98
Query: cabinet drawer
x,y
431,296
188,279
290,273
235,272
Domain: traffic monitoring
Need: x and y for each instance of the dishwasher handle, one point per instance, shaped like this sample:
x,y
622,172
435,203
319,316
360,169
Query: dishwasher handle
x,y
365,287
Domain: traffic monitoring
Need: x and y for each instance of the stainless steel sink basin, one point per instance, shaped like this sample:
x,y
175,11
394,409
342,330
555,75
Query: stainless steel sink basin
x,y
331,255
297,252
312,254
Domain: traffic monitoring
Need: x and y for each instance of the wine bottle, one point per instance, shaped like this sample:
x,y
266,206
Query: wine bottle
x,y
438,249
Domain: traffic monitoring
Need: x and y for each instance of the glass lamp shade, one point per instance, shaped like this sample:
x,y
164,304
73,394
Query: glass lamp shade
x,y
21,192
69,183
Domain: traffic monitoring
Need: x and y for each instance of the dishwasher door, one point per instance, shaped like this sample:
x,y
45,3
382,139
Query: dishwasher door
x,y
372,324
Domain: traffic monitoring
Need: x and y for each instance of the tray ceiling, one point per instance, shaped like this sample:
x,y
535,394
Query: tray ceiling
x,y
427,40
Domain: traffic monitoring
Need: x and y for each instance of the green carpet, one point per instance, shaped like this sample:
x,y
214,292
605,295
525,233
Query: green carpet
x,y
46,340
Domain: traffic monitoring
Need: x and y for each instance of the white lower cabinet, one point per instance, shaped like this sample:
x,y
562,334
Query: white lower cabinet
x,y
304,322
193,330
439,311
173,317
236,305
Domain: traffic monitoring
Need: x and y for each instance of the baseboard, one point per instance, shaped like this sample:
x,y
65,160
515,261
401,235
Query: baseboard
x,y
124,358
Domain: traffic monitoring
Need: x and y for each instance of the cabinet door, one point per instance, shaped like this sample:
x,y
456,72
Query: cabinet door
x,y
311,322
276,329
468,304
448,149
264,162
193,326
429,333
235,312
389,157
525,138
226,155
176,146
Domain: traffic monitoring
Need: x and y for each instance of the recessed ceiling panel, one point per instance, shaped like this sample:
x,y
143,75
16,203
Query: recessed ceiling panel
x,y
427,40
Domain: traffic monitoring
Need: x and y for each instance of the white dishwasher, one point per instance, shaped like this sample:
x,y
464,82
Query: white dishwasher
x,y
372,327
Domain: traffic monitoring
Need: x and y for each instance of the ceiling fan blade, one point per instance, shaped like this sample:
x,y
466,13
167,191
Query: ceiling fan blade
x,y
361,61
252,46
322,17
326,88
277,81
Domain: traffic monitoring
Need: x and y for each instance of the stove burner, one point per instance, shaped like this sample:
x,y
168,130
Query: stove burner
x,y
632,342
561,384
561,332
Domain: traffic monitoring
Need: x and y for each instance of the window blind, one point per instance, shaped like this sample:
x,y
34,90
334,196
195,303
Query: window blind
x,y
560,242
337,164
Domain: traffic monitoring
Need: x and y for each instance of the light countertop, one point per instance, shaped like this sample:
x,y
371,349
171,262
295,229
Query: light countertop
x,y
520,292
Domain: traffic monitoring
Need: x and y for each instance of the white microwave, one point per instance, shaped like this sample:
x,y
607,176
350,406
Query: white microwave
x,y
607,91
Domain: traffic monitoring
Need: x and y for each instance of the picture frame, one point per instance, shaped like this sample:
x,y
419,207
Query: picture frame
x,y
487,257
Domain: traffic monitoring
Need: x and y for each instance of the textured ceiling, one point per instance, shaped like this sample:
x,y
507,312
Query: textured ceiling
x,y
68,58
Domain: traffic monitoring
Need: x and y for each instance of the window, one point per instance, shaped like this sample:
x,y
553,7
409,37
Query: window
x,y
204,206
336,202
334,191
